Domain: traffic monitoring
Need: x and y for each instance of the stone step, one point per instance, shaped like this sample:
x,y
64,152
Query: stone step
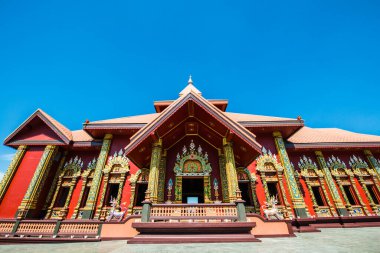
x,y
192,238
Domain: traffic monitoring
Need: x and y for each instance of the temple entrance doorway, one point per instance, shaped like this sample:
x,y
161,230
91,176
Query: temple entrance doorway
x,y
192,190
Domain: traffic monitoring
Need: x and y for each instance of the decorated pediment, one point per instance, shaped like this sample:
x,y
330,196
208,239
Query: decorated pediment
x,y
73,167
335,163
192,161
89,171
308,167
267,162
117,163
357,163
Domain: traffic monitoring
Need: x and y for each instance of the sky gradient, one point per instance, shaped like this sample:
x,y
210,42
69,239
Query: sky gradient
x,y
81,60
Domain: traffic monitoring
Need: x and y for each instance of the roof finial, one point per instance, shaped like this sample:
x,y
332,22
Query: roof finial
x,y
190,80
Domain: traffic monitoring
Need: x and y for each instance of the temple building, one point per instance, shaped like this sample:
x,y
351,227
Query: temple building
x,y
190,152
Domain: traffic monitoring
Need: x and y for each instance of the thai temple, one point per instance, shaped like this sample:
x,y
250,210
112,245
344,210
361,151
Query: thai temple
x,y
191,171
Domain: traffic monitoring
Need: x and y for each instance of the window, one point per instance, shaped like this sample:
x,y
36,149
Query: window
x,y
62,196
318,196
351,199
85,196
374,195
112,191
273,191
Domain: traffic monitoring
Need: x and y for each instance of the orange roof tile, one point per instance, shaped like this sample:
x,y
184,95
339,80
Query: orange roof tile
x,y
58,125
307,135
138,119
81,135
241,117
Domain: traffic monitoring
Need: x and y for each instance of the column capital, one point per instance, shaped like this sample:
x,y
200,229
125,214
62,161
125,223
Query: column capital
x,y
277,134
226,142
108,137
367,152
318,153
157,143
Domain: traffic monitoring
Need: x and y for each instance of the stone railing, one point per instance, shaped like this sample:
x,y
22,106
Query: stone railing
x,y
78,228
194,212
49,228
36,227
6,227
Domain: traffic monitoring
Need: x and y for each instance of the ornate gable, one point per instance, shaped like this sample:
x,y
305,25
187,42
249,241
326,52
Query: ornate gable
x,y
192,162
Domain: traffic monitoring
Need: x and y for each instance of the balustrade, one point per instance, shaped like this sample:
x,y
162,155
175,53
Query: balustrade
x,y
196,211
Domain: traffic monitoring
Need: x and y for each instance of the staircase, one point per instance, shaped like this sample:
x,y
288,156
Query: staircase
x,y
193,232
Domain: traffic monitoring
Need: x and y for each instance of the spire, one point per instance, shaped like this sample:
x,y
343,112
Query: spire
x,y
190,80
190,87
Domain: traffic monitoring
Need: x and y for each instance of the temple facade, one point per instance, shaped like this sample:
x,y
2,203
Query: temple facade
x,y
191,151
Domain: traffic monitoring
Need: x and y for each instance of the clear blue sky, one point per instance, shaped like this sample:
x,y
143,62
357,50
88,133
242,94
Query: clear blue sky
x,y
94,60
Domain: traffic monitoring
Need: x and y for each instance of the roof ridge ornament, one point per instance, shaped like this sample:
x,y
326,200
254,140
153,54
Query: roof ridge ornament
x,y
190,88
190,80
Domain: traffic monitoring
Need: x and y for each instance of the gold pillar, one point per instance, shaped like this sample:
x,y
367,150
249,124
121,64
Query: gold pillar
x,y
295,194
161,179
11,171
223,177
230,170
342,211
89,209
28,204
154,170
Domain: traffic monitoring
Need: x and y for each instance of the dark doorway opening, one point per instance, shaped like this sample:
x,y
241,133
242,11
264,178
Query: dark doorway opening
x,y
141,189
246,194
192,188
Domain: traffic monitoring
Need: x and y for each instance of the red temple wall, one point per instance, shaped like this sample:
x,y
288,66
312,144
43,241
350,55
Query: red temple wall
x,y
20,182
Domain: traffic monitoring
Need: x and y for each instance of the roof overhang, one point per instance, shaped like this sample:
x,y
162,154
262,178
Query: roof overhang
x,y
179,110
332,145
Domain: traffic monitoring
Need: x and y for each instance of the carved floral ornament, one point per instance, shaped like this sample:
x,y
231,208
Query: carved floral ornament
x,y
308,167
267,162
144,173
360,167
338,167
90,167
192,162
117,163
242,172
73,167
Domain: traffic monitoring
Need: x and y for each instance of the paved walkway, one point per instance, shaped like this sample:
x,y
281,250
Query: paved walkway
x,y
361,240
